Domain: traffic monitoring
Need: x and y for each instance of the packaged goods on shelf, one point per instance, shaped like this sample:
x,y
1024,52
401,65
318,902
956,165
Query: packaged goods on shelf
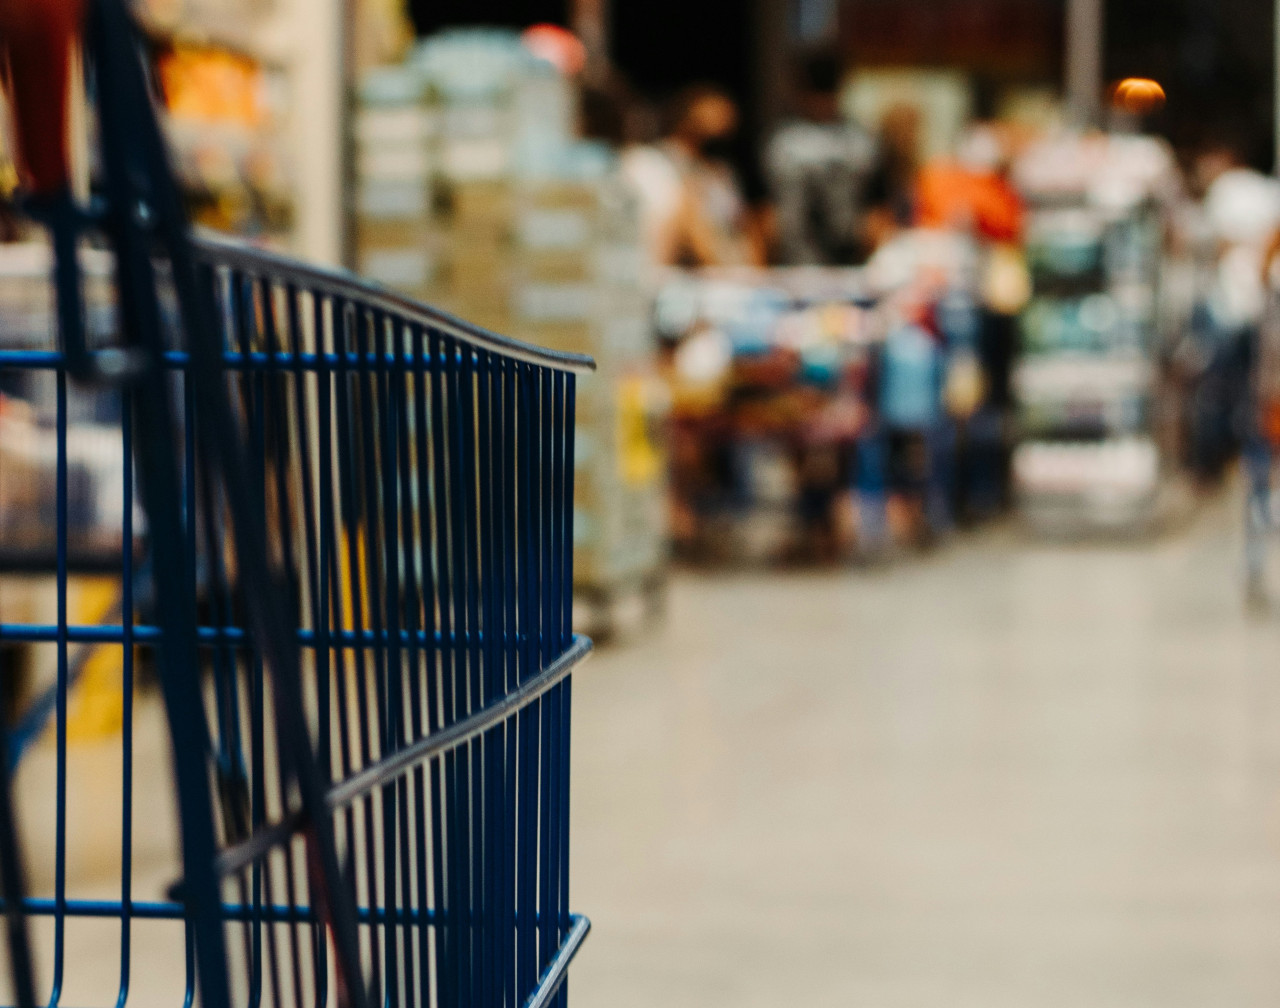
x,y
477,197
236,24
1084,396
26,296
776,379
29,405
1110,484
556,260
1088,383
823,413
394,131
225,109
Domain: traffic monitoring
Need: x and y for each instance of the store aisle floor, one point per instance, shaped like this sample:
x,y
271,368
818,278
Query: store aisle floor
x,y
1002,775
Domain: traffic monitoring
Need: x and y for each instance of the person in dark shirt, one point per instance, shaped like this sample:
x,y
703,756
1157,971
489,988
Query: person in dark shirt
x,y
891,190
818,166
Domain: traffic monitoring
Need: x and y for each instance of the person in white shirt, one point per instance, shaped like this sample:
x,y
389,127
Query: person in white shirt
x,y
1240,214
692,209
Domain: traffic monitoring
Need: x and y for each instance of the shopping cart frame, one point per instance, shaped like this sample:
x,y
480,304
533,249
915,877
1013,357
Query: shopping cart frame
x,y
375,339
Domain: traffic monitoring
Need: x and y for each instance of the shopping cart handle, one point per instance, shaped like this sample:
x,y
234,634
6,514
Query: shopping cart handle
x,y
37,36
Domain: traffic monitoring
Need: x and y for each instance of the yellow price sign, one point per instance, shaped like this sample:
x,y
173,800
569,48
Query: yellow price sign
x,y
639,460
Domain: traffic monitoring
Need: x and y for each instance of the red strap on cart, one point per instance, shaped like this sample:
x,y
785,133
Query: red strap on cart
x,y
37,37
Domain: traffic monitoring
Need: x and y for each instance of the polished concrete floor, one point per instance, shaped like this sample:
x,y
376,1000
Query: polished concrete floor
x,y
1000,775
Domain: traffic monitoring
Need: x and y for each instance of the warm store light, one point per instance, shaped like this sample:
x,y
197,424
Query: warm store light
x,y
558,46
1138,95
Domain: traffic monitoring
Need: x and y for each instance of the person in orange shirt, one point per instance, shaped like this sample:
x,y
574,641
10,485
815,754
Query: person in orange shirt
x,y
971,192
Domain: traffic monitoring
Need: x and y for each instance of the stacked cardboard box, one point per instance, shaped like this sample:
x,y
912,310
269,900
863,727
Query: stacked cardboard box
x,y
531,233
472,222
394,130
578,285
557,262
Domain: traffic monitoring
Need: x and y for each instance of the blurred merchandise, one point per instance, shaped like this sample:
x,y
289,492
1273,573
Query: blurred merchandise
x,y
233,22
827,413
31,411
474,194
1104,484
222,67
382,32
393,145
1088,380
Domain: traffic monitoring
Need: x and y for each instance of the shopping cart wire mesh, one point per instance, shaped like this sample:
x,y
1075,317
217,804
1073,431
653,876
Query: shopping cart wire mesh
x,y
351,568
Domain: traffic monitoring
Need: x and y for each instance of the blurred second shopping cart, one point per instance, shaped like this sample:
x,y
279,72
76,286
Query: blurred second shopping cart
x,y
350,560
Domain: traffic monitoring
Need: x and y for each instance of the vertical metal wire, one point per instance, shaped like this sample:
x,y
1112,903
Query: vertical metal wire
x,y
565,433
449,901
263,981
506,486
281,451
547,939
126,699
315,582
60,821
350,602
489,543
555,835
429,538
528,719
469,685
412,831
333,325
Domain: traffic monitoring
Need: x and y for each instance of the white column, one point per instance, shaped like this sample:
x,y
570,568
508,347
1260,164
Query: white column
x,y
772,58
1084,61
590,22
317,102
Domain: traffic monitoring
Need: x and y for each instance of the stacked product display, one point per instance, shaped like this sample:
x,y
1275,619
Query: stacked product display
x,y
393,145
474,195
1087,382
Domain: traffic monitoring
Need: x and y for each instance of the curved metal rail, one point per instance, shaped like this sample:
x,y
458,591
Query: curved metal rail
x,y
218,251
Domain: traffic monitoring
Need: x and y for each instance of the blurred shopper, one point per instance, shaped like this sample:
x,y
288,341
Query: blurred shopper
x,y
692,208
971,191
1241,212
610,111
891,192
1267,371
1242,209
818,167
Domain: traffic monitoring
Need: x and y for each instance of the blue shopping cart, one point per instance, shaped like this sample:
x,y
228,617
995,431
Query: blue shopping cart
x,y
351,568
